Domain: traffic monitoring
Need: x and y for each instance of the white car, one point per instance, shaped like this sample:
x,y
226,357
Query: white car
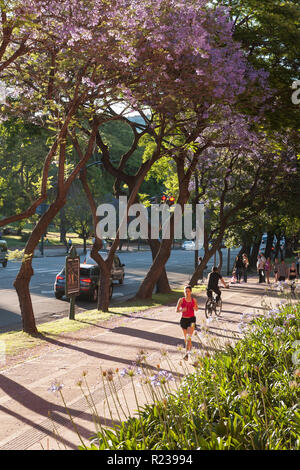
x,y
188,245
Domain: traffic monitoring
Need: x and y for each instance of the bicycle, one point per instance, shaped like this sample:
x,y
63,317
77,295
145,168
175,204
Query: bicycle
x,y
212,306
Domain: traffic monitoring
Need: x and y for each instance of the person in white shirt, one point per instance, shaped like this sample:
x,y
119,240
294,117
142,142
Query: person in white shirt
x,y
260,268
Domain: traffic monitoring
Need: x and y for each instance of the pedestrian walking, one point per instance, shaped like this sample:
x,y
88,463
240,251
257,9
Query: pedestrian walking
x,y
239,266
282,271
70,243
292,272
245,266
260,268
233,278
264,259
187,305
268,267
276,269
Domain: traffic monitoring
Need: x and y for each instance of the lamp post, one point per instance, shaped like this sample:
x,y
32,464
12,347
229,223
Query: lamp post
x,y
228,261
72,279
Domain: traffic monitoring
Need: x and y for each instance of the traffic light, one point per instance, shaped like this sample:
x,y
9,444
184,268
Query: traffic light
x,y
170,200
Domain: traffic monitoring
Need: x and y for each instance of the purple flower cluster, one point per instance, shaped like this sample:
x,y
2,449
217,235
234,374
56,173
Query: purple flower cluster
x,y
131,371
273,313
278,330
161,378
55,387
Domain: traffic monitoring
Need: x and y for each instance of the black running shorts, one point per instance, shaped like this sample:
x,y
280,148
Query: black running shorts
x,y
186,322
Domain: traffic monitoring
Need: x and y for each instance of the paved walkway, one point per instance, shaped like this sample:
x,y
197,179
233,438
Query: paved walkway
x,y
25,399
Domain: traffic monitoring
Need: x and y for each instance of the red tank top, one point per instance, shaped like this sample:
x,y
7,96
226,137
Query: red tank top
x,y
190,308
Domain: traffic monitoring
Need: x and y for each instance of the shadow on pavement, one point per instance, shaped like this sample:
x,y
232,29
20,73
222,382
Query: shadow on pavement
x,y
43,407
9,320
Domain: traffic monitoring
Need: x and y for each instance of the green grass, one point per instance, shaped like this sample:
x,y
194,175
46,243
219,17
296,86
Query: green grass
x,y
14,241
16,341
18,241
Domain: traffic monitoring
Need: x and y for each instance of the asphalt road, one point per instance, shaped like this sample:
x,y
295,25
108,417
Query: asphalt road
x,y
46,307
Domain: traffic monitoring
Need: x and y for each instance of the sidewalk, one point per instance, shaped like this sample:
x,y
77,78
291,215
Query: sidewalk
x,y
25,399
61,250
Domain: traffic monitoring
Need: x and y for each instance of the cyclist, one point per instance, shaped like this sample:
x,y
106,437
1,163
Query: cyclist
x,y
213,284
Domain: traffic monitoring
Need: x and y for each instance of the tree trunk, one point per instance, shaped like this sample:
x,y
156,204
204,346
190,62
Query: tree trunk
x,y
21,285
84,244
289,244
277,246
63,230
104,289
162,285
242,250
220,260
208,253
255,251
23,278
247,249
146,288
269,244
198,273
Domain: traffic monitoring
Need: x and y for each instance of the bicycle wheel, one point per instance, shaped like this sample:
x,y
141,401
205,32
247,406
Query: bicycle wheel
x,y
218,308
208,308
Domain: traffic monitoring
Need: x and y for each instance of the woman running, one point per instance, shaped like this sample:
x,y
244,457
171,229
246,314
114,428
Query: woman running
x,y
187,306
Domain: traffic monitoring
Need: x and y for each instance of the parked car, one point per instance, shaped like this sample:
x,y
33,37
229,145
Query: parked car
x,y
89,277
3,253
117,272
190,245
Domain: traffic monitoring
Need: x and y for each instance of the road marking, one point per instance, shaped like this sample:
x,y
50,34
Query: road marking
x,y
118,294
47,292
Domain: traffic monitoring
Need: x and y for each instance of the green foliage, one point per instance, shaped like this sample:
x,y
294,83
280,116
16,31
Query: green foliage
x,y
270,34
22,152
78,212
243,398
119,137
15,255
